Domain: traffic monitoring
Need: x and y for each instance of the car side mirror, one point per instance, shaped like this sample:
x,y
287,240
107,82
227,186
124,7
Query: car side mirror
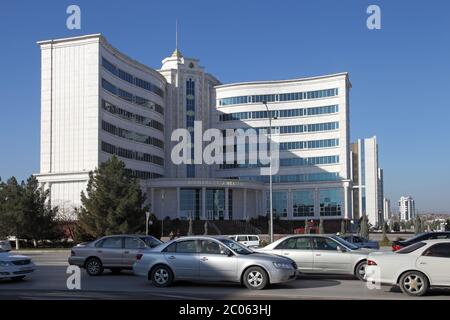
x,y
341,249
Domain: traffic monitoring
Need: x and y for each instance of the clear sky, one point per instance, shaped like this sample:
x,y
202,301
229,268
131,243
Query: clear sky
x,y
400,74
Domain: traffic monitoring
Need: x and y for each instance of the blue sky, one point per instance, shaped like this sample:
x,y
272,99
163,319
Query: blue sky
x,y
400,74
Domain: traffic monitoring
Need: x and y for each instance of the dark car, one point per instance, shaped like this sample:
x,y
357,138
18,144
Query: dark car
x,y
361,242
398,244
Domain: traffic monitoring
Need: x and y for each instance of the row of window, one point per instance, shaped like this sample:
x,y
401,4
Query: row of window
x,y
289,162
289,113
316,127
310,177
131,79
132,116
130,154
130,135
131,98
143,175
294,96
314,144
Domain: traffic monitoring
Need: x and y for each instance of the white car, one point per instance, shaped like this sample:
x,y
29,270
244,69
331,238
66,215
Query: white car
x,y
251,241
5,245
15,267
415,268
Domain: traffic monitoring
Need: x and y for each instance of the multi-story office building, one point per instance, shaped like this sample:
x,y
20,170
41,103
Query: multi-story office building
x,y
367,179
407,208
97,101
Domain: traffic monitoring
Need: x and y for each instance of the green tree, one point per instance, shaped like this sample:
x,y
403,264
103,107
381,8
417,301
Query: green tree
x,y
11,213
418,227
113,202
38,216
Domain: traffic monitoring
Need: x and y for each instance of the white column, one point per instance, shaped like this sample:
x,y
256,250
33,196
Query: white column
x,y
227,212
347,209
204,203
245,204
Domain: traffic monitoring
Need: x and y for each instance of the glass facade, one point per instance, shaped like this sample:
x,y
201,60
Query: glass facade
x,y
289,113
190,119
288,162
215,204
331,202
125,76
294,96
311,177
131,98
121,113
314,144
280,203
130,154
132,136
190,203
303,203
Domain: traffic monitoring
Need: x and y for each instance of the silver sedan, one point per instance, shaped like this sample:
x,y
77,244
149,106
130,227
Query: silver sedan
x,y
15,267
212,259
111,252
321,254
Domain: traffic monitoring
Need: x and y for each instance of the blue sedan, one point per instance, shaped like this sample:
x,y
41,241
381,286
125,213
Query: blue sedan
x,y
361,242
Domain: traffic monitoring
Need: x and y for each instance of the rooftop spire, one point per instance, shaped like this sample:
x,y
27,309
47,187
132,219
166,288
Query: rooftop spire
x,y
176,52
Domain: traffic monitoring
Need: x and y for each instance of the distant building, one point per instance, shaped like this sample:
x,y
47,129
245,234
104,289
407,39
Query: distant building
x,y
367,181
407,208
387,209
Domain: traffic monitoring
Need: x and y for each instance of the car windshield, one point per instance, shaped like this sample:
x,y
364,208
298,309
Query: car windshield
x,y
236,247
345,243
151,241
411,248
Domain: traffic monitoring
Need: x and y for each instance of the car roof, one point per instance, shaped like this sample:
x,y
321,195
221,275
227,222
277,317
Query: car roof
x,y
204,237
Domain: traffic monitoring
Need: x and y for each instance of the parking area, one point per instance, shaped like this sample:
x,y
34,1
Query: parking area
x,y
49,282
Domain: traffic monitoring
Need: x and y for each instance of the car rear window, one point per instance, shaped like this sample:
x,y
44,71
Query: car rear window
x,y
253,238
411,248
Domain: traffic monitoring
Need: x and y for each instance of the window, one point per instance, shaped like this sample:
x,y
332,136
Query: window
x,y
152,242
303,203
253,238
190,203
134,243
325,244
188,246
242,238
411,248
296,243
441,250
111,243
212,247
279,204
331,202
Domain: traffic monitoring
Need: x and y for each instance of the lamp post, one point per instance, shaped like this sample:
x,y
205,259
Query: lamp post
x,y
270,173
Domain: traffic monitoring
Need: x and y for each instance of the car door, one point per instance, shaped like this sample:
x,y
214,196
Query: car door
x,y
435,262
132,246
110,251
217,262
328,259
183,258
299,249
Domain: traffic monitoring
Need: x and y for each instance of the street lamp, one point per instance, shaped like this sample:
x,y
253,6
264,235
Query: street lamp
x,y
270,173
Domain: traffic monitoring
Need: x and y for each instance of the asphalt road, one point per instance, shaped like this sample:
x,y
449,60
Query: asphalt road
x,y
49,282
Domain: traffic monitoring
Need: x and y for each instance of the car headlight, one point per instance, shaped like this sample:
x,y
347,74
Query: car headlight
x,y
282,265
5,263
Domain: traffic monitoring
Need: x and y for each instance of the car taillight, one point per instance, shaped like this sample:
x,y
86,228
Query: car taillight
x,y
371,263
139,256
395,247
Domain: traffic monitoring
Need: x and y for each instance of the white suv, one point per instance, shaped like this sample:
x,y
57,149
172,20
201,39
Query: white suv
x,y
251,241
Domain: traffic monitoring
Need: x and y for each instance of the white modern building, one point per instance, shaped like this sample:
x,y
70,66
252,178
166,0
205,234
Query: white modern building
x,y
367,180
97,101
407,208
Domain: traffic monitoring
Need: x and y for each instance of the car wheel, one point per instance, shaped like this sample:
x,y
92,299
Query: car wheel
x,y
161,276
414,283
94,267
255,278
18,278
360,270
